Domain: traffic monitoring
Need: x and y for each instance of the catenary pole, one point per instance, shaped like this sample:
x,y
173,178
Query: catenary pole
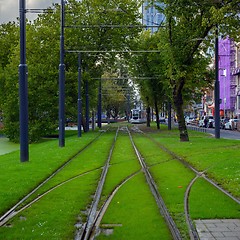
x,y
87,106
169,116
100,103
23,86
79,97
62,82
216,90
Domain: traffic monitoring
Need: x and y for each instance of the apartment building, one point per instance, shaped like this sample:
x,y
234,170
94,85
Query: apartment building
x,y
229,79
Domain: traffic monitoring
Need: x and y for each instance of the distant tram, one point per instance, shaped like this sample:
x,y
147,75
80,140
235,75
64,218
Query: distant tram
x,y
138,116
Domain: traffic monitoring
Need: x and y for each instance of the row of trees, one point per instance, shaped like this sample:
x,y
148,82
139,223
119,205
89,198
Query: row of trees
x,y
83,33
185,44
176,73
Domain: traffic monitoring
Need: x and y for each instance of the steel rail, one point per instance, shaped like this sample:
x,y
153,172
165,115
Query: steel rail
x,y
104,207
93,210
10,212
163,209
194,170
192,230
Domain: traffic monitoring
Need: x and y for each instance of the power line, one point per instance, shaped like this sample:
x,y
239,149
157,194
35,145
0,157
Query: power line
x,y
113,26
127,78
112,51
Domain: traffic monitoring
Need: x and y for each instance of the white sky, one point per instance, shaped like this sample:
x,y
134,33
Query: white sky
x,y
9,9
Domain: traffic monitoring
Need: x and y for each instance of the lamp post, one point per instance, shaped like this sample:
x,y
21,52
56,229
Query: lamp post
x,y
216,90
62,82
23,86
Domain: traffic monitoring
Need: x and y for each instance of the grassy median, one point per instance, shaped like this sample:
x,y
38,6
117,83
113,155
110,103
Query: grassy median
x,y
133,211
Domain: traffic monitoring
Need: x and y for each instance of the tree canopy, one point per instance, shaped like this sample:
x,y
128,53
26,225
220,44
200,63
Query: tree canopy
x,y
87,28
177,72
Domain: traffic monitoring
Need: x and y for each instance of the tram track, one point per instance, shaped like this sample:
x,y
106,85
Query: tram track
x,y
160,202
91,227
13,211
192,230
94,223
202,174
85,233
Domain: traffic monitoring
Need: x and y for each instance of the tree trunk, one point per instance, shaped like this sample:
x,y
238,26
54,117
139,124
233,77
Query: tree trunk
x,y
84,125
178,103
148,110
157,113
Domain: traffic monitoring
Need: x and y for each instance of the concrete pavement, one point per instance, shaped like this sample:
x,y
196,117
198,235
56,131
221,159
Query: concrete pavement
x,y
218,229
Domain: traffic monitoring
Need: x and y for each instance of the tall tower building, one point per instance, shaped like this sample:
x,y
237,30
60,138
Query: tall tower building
x,y
151,17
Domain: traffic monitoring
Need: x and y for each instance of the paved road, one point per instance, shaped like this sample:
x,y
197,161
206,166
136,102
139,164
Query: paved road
x,y
228,134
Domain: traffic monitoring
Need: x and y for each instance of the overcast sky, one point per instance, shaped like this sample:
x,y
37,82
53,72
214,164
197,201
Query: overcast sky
x,y
9,9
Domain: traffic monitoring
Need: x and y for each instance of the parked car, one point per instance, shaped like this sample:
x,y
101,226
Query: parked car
x,y
206,121
210,123
223,121
232,124
188,120
201,121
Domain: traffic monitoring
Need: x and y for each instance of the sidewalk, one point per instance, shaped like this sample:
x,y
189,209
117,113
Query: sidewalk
x,y
218,229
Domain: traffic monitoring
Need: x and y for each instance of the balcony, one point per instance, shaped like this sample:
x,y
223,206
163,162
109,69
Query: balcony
x,y
236,71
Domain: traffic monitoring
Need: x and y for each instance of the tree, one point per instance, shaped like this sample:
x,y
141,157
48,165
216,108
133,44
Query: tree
x,y
189,28
8,41
149,67
86,31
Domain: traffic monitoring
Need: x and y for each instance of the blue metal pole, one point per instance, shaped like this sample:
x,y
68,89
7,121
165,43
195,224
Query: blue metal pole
x,y
128,106
169,116
62,82
87,107
23,86
216,90
100,104
79,97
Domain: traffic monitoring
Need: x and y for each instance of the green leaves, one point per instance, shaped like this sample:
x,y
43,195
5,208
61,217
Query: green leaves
x,y
87,28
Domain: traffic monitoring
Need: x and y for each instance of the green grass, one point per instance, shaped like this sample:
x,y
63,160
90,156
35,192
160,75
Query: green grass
x,y
135,209
220,157
123,163
90,159
66,202
172,178
55,215
206,202
17,179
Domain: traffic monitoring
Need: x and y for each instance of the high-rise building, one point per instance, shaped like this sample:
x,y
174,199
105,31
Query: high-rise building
x,y
151,16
